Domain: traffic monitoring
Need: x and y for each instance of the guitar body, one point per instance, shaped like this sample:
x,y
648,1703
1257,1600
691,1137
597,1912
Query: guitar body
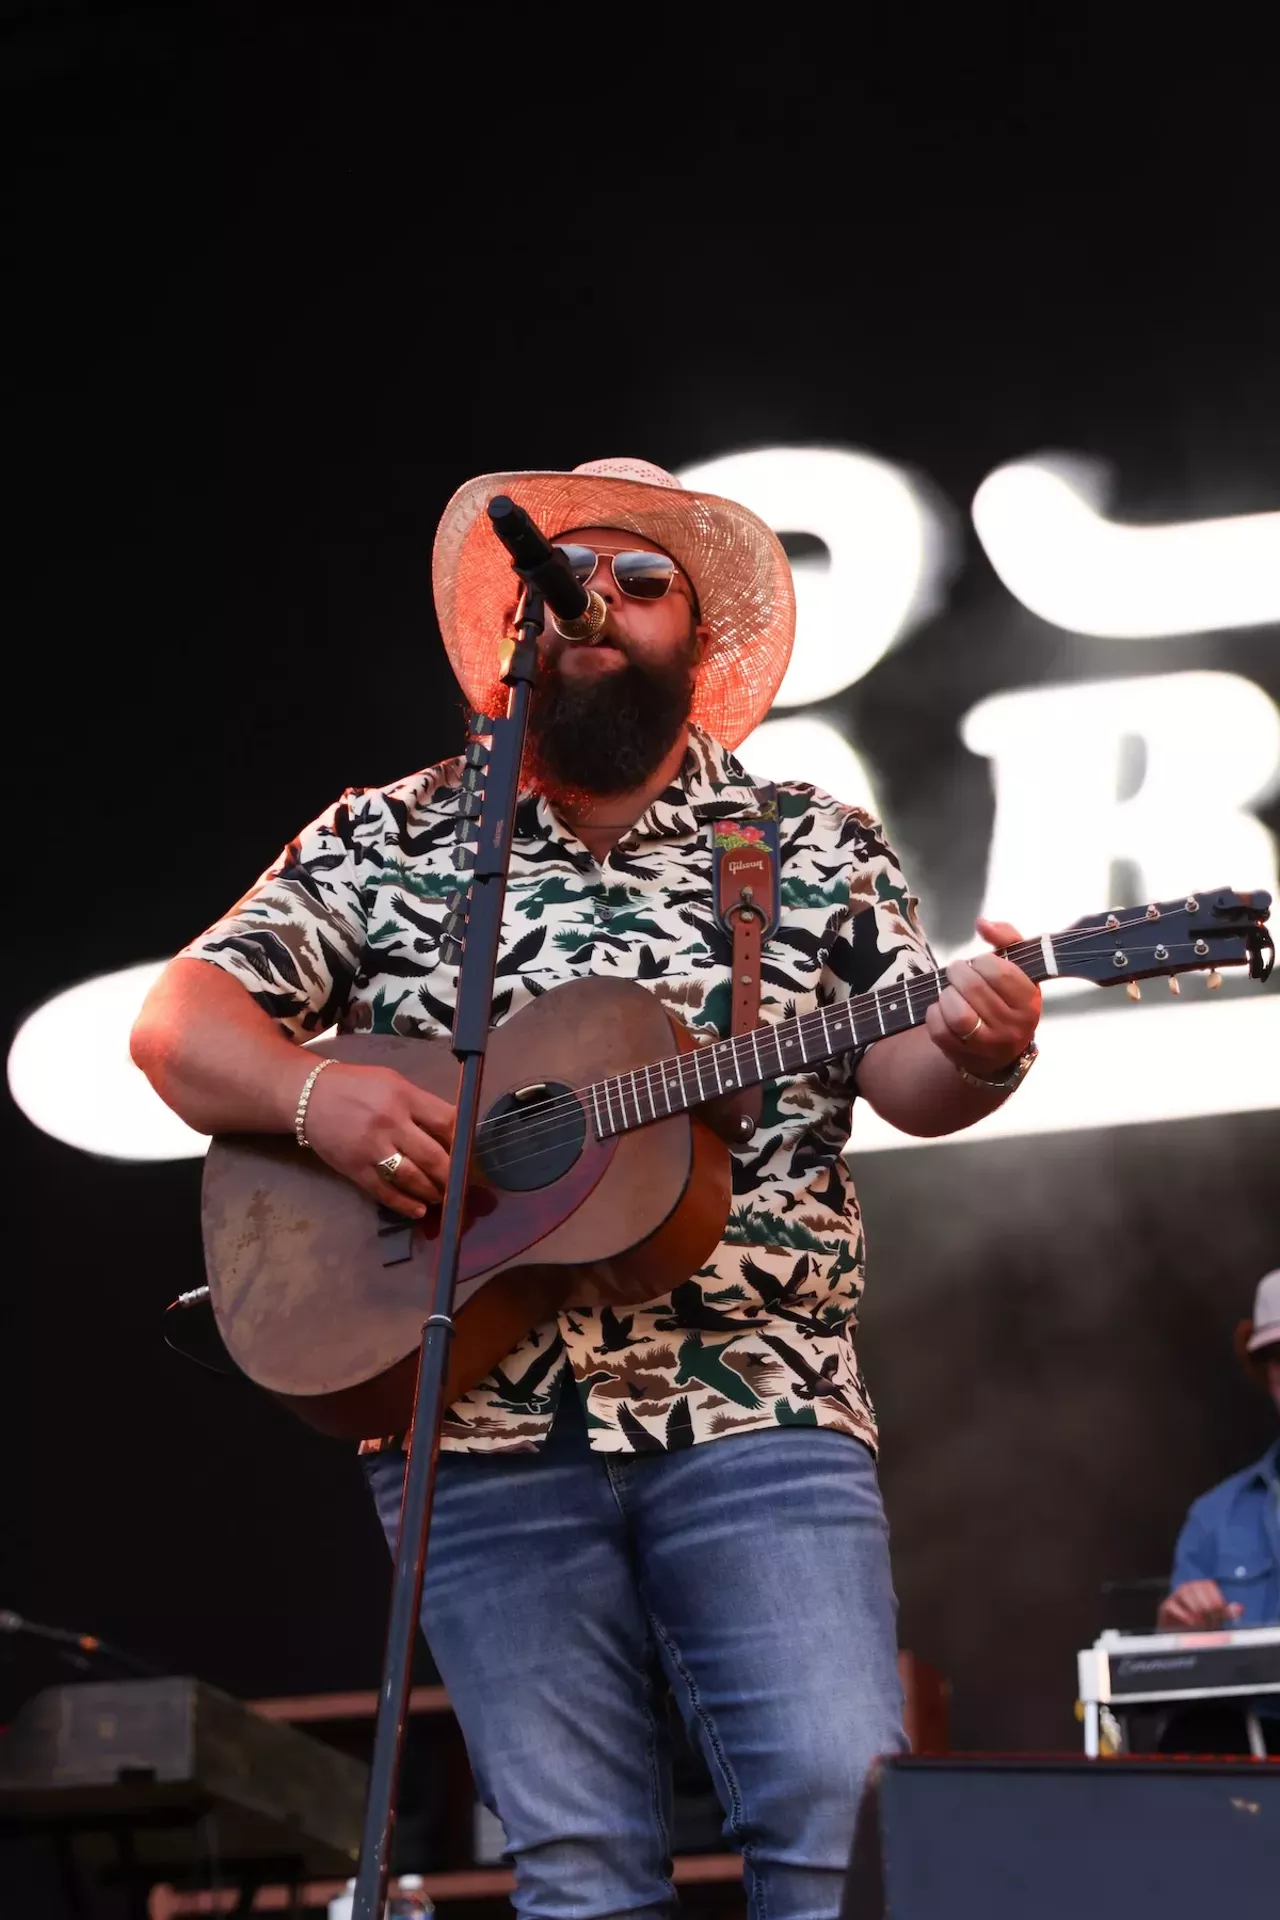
x,y
320,1296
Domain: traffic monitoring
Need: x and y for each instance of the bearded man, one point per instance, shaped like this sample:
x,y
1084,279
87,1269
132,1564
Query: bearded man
x,y
687,1488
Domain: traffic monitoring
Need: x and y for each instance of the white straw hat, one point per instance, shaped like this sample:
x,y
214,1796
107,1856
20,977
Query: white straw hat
x,y
735,562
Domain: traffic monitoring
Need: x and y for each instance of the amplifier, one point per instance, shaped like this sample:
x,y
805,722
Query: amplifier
x,y
188,1770
987,1839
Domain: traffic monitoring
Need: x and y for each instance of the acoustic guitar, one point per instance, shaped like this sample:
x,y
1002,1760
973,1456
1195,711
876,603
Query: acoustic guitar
x,y
597,1175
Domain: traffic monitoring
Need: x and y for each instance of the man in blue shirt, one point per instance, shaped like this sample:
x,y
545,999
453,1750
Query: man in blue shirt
x,y
1226,1565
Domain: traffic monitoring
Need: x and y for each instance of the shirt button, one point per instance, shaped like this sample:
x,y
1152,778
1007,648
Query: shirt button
x,y
604,913
1241,1572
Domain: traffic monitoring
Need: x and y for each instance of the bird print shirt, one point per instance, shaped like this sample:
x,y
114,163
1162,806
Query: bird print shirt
x,y
345,928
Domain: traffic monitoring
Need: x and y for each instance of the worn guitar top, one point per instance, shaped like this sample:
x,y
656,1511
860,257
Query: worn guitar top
x,y
345,927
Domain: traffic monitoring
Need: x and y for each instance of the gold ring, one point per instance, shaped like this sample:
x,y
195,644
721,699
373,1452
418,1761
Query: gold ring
x,y
976,1028
387,1167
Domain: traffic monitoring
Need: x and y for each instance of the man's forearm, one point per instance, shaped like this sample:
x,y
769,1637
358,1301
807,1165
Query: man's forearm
x,y
214,1056
916,1089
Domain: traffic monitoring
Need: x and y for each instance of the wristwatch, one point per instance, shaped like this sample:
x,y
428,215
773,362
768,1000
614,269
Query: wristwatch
x,y
1008,1078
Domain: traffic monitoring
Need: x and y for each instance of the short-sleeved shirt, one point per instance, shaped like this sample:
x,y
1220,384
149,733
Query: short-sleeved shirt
x,y
345,927
1232,1535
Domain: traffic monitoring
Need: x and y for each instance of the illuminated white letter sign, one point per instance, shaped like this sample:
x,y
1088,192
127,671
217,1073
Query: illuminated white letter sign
x,y
886,544
1211,747
1040,523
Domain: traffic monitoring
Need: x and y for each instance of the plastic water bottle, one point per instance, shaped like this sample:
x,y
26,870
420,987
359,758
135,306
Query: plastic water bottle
x,y
409,1902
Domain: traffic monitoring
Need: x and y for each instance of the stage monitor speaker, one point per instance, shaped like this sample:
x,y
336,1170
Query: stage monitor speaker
x,y
953,1839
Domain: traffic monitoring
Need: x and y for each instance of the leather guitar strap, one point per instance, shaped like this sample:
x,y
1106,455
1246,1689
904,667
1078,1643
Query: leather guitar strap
x,y
747,891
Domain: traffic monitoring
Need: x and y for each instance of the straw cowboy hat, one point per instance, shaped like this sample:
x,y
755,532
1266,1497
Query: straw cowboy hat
x,y
1254,1336
734,561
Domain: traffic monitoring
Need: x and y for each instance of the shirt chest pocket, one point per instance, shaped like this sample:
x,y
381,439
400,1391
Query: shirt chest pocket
x,y
1244,1570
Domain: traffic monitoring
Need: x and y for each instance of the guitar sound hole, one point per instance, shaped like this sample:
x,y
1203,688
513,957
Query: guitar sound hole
x,y
531,1139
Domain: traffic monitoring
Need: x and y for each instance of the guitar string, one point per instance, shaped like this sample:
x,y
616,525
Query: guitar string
x,y
1029,948
919,990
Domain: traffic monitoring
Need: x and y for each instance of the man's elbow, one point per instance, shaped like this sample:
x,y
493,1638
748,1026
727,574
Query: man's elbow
x,y
150,1045
155,1034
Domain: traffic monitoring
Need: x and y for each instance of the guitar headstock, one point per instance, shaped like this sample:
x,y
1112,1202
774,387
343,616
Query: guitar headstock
x,y
1198,934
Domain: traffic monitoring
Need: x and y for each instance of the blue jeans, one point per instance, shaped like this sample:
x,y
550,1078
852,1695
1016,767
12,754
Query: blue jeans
x,y
752,1570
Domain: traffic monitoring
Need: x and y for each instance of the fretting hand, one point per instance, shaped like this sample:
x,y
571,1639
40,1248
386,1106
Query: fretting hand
x,y
984,1019
358,1116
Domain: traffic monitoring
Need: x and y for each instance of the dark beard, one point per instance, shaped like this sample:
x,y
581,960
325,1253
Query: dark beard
x,y
607,734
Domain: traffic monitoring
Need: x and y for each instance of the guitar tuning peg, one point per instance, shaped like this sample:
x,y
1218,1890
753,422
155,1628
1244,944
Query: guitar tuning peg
x,y
462,857
450,952
1213,981
454,901
1175,985
1133,990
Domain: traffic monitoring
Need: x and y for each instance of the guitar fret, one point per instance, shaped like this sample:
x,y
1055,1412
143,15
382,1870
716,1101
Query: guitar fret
x,y
755,1048
608,1106
879,1010
800,1041
635,1097
826,1029
715,1062
595,1101
697,1074
648,1087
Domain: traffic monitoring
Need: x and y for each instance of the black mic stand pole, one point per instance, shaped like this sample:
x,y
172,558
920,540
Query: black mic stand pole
x,y
495,825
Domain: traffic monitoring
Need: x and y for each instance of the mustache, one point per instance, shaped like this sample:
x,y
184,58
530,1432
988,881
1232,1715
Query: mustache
x,y
555,645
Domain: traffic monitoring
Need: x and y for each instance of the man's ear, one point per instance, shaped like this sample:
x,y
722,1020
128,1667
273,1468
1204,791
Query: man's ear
x,y
702,635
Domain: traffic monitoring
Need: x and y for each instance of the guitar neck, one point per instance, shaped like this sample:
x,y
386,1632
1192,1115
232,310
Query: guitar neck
x,y
687,1080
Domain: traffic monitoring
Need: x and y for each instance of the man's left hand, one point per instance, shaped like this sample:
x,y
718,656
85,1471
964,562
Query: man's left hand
x,y
985,1016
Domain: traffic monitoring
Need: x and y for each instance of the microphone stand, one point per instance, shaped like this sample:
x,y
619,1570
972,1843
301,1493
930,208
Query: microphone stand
x,y
495,828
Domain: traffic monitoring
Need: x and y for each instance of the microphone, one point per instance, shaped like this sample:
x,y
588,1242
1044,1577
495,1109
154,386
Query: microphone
x,y
577,613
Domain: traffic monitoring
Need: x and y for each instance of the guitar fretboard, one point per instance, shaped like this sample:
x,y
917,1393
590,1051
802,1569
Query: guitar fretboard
x,y
645,1094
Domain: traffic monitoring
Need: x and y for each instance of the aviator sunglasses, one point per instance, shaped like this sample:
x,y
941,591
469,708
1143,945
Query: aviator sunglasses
x,y
640,576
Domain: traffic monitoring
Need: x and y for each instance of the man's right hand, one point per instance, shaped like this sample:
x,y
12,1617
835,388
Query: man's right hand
x,y
1197,1606
357,1116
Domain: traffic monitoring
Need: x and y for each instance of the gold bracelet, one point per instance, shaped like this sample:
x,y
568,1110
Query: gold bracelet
x,y
1004,1082
300,1116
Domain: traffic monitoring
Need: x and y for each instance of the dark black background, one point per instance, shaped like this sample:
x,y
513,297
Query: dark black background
x,y
281,279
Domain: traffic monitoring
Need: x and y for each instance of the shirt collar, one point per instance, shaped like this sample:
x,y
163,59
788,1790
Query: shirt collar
x,y
1268,1468
710,782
